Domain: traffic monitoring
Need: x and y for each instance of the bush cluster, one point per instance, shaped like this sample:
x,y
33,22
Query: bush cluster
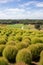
x,y
21,46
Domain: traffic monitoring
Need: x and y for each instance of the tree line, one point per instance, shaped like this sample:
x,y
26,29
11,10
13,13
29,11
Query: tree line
x,y
26,21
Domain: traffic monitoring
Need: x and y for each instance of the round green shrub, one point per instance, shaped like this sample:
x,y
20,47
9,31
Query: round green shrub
x,y
3,61
20,63
26,37
22,45
25,34
41,58
8,32
24,55
11,38
18,37
35,50
41,54
2,41
10,53
41,62
1,49
36,40
41,38
11,43
26,41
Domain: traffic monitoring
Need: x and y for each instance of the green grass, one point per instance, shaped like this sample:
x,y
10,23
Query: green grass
x,y
15,25
22,26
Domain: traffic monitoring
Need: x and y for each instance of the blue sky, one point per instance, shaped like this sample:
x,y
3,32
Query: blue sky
x,y
21,9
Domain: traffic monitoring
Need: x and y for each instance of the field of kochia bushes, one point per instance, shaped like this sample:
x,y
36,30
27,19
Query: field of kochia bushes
x,y
21,47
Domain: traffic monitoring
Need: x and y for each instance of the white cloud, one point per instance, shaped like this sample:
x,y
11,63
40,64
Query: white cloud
x,y
40,4
38,14
27,3
35,3
17,13
5,1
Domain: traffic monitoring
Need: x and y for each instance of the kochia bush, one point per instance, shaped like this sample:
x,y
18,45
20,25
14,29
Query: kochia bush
x,y
22,45
1,49
24,55
35,50
18,37
2,41
11,43
36,40
41,54
41,58
3,61
10,53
